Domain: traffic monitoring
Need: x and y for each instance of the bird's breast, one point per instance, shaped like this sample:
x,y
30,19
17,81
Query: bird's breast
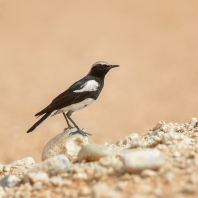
x,y
79,105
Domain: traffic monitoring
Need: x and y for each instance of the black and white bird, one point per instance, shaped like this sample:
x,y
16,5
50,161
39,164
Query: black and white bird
x,y
78,96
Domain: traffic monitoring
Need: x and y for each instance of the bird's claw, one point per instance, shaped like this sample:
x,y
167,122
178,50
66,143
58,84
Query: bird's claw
x,y
80,131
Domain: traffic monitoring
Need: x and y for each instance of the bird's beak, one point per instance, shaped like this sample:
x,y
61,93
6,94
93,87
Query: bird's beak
x,y
112,66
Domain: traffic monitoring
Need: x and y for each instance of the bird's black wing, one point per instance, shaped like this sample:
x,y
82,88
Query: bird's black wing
x,y
69,97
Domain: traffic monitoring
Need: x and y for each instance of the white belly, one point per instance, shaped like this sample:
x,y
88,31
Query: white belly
x,y
78,106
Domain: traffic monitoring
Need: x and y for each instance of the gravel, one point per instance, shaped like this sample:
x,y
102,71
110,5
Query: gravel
x,y
163,162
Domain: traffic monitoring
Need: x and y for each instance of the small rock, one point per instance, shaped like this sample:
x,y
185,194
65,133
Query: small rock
x,y
157,139
73,146
2,192
121,185
80,176
140,159
54,165
6,168
148,173
145,189
111,161
193,121
33,177
92,152
195,135
136,178
190,127
168,176
57,181
38,186
9,181
28,161
1,168
176,154
194,178
102,190
190,188
85,191
133,136
158,125
64,143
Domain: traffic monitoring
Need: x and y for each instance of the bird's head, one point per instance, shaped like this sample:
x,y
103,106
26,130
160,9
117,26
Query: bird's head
x,y
101,68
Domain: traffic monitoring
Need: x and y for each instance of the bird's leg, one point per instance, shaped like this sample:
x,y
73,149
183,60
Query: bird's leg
x,y
68,124
78,129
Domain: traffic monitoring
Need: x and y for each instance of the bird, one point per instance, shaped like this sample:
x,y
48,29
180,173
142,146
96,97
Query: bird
x,y
78,96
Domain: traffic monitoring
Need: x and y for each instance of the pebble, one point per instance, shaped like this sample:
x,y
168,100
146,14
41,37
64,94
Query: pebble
x,y
140,159
101,189
9,181
148,173
84,191
166,158
1,168
168,176
28,161
193,121
73,146
194,178
38,186
176,154
80,176
111,161
53,165
57,181
121,185
6,168
190,188
64,143
93,152
131,141
2,192
33,177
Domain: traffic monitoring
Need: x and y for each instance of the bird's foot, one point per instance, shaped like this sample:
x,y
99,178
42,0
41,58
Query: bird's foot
x,y
69,127
80,131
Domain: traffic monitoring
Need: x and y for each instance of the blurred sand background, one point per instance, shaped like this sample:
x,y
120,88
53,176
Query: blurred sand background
x,y
47,45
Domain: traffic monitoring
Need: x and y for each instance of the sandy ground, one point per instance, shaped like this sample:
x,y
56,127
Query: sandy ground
x,y
47,45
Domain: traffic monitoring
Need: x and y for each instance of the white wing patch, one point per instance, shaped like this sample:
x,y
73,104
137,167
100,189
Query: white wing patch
x,y
91,85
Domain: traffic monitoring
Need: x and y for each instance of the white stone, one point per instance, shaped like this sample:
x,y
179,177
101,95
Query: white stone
x,y
54,165
148,173
33,177
133,136
57,181
193,121
92,152
103,190
38,186
65,143
2,192
85,191
80,176
6,168
176,154
9,181
28,161
140,159
1,168
194,178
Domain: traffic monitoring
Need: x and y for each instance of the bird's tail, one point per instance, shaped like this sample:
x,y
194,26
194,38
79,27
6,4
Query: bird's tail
x,y
39,122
